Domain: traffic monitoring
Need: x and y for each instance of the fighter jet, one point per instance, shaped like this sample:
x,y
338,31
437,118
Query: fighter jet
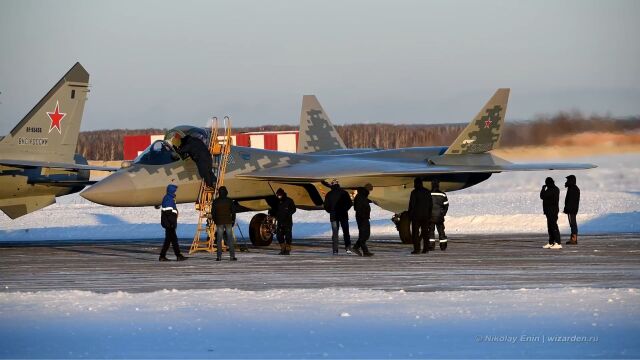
x,y
253,175
37,159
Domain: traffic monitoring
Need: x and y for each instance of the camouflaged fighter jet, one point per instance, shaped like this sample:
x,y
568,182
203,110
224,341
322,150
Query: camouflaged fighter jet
x,y
253,175
37,159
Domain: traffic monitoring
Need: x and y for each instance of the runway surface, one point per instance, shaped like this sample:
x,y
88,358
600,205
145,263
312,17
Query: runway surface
x,y
470,263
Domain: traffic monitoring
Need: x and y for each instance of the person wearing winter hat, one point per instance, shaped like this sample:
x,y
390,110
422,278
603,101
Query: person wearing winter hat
x,y
550,195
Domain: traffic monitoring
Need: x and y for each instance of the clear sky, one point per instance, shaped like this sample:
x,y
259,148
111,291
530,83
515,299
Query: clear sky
x,y
159,64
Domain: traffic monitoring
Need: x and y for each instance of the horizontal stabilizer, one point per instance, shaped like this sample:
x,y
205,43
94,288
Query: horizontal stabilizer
x,y
54,165
16,207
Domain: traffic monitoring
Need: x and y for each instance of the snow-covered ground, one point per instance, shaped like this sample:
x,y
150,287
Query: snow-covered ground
x,y
322,323
506,203
337,323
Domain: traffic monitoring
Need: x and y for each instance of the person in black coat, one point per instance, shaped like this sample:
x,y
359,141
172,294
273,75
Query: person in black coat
x,y
550,195
438,212
198,151
571,205
361,205
169,221
223,210
337,203
420,208
284,214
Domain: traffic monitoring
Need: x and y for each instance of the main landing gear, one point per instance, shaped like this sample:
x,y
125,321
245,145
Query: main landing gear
x,y
261,229
403,224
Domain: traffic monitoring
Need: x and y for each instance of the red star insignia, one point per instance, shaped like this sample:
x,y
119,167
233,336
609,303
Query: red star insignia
x,y
487,123
56,116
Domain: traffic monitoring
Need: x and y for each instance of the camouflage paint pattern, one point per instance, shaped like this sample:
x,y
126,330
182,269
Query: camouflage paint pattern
x,y
483,133
317,133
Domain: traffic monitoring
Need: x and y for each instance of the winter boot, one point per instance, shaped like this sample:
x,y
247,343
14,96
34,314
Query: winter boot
x,y
356,249
432,244
181,257
366,253
163,258
283,249
573,240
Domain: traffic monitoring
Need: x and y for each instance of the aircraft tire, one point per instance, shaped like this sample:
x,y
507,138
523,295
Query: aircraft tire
x,y
259,234
404,228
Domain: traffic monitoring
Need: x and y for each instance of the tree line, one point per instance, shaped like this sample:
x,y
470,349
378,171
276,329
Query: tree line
x,y
108,144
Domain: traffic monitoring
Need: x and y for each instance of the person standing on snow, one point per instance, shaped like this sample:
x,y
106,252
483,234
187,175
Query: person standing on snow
x,y
438,212
223,211
571,204
420,207
361,205
550,195
284,215
169,221
337,203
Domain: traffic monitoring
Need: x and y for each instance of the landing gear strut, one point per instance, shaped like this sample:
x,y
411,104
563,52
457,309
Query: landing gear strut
x,y
403,224
261,229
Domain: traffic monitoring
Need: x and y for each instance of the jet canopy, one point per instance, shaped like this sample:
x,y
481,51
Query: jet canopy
x,y
158,153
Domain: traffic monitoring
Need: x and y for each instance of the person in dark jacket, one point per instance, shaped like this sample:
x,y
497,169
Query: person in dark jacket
x,y
550,195
223,210
438,212
420,208
284,215
337,203
361,205
571,205
169,221
198,151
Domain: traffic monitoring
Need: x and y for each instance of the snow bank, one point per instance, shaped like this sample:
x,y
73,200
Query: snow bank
x,y
334,323
506,203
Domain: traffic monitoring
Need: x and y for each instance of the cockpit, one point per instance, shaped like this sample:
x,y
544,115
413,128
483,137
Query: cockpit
x,y
165,151
158,153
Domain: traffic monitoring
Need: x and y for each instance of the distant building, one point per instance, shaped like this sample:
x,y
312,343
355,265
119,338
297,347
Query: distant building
x,y
270,140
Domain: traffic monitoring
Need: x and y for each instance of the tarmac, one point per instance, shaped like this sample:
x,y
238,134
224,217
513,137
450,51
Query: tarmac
x,y
470,263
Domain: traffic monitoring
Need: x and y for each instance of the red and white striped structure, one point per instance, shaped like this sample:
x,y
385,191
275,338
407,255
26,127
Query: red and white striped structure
x,y
270,140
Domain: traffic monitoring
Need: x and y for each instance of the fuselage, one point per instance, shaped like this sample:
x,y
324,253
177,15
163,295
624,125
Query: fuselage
x,y
144,182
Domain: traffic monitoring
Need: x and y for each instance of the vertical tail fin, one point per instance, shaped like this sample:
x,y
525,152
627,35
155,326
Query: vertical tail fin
x,y
317,133
50,130
484,131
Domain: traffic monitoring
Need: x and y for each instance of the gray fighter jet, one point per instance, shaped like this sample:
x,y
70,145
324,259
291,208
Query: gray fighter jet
x,y
38,159
253,175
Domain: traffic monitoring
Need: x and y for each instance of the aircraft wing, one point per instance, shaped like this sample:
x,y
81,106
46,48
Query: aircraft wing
x,y
369,169
55,165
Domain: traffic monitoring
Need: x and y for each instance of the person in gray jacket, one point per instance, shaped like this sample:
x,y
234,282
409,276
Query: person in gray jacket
x,y
438,212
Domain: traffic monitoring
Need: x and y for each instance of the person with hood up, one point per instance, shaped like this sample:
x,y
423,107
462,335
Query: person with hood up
x,y
361,204
571,205
223,210
420,208
169,221
198,151
550,195
284,215
438,212
337,203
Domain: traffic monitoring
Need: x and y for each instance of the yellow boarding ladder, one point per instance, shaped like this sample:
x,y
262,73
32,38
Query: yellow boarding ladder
x,y
220,150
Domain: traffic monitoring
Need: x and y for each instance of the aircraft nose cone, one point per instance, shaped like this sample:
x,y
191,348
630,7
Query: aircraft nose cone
x,y
115,190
